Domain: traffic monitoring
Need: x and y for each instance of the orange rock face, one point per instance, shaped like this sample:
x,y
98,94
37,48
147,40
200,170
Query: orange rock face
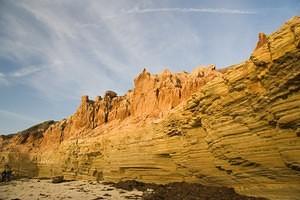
x,y
152,97
155,94
262,39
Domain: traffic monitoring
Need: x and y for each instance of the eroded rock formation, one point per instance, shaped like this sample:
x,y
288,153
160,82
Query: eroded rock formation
x,y
237,127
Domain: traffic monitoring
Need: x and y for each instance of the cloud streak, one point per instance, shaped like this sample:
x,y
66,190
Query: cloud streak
x,y
19,74
3,80
138,10
93,54
26,71
18,116
190,10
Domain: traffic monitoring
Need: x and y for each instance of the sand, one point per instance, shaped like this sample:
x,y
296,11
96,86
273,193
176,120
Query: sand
x,y
32,189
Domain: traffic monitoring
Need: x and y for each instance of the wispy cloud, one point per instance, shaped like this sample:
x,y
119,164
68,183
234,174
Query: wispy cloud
x,y
26,71
137,10
18,116
87,53
188,10
19,74
92,53
3,80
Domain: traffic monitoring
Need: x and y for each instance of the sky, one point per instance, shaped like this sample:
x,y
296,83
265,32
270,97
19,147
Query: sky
x,y
54,51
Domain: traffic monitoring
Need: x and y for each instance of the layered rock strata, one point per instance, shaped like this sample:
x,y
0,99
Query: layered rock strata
x,y
238,127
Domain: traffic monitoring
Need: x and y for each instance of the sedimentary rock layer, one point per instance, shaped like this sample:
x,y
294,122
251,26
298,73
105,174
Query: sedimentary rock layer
x,y
238,127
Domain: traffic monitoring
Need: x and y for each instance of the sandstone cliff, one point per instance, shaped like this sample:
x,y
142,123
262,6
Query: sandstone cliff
x,y
237,127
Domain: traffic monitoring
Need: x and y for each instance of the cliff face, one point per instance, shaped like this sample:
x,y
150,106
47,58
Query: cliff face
x,y
239,127
152,97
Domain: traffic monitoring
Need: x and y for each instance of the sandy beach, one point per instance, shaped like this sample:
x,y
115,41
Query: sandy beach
x,y
33,189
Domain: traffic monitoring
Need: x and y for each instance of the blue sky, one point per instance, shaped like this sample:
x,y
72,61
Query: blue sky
x,y
54,51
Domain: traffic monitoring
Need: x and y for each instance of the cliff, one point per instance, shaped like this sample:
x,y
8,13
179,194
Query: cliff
x,y
237,127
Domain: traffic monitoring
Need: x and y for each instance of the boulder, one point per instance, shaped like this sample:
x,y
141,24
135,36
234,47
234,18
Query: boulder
x,y
57,179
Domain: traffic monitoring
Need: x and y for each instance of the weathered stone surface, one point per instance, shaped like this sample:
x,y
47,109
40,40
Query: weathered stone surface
x,y
237,127
262,40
